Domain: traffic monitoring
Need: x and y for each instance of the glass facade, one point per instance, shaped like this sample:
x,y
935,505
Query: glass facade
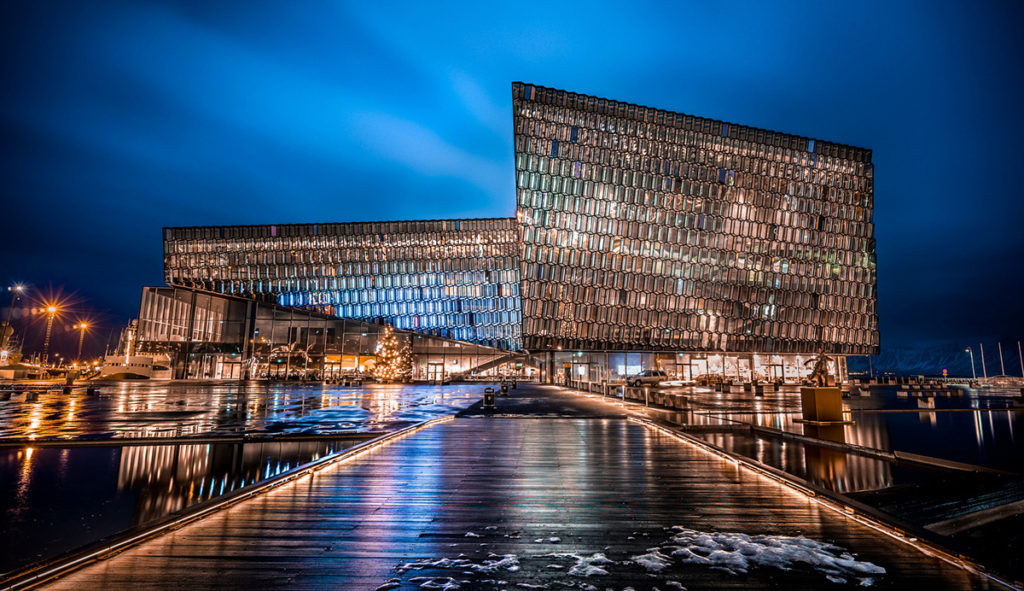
x,y
702,248
453,278
644,229
201,335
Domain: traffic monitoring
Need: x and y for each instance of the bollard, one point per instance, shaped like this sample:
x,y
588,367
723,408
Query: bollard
x,y
504,389
488,398
514,384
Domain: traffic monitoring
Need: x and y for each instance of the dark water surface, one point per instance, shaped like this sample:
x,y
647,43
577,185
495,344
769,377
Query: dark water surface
x,y
175,409
984,428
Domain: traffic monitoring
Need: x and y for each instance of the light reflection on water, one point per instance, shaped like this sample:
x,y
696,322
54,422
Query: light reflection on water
x,y
985,437
58,499
155,409
980,428
829,468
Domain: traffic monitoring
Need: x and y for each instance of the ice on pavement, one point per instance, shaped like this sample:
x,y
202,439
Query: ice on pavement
x,y
586,566
733,553
737,553
653,561
493,563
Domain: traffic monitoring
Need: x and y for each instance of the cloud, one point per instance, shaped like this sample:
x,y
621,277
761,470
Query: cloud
x,y
423,151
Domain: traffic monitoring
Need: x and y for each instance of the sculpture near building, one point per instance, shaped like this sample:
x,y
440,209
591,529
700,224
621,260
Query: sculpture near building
x,y
820,373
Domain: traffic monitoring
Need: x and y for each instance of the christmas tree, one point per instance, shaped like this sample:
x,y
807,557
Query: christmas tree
x,y
394,358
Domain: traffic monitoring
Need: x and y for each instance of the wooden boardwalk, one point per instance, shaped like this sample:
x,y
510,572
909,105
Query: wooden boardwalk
x,y
525,487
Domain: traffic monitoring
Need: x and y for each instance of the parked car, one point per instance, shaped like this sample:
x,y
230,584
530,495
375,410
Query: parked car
x,y
650,377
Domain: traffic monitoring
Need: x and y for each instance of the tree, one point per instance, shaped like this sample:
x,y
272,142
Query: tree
x,y
394,358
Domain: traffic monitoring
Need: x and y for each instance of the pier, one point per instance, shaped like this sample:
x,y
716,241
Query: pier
x,y
554,490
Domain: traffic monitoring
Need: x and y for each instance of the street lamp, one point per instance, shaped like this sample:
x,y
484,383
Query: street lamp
x,y
51,311
968,350
82,327
16,291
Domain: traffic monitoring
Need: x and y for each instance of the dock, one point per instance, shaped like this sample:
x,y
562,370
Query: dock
x,y
579,498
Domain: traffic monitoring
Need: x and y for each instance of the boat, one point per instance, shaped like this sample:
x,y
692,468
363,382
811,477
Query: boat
x,y
126,365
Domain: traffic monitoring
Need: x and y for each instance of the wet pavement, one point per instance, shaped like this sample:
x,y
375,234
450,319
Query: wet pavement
x,y
527,503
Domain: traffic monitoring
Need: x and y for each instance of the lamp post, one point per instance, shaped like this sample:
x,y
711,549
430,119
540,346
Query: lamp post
x,y
968,350
51,311
82,327
16,291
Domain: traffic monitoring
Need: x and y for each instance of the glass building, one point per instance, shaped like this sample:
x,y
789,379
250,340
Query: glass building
x,y
643,239
648,230
202,335
452,278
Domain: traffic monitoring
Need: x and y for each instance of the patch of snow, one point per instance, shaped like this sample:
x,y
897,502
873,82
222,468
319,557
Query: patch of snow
x,y
470,534
586,566
441,584
654,561
736,553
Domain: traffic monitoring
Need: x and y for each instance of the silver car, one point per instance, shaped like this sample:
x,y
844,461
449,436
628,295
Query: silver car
x,y
650,377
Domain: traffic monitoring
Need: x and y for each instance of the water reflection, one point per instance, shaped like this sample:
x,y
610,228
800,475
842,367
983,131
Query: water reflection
x,y
975,430
183,409
118,488
829,468
979,428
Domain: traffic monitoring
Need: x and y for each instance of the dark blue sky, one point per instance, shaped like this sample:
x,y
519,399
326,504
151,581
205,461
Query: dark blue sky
x,y
119,118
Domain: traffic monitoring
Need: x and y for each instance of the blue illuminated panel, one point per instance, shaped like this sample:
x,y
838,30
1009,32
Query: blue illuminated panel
x,y
452,278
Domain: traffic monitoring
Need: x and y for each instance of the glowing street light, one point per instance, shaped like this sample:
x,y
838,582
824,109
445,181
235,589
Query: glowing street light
x,y
51,311
968,350
16,291
82,327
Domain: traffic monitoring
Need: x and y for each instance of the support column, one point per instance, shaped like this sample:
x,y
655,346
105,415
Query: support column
x,y
248,337
188,336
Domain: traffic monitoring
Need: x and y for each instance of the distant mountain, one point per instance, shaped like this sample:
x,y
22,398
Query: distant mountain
x,y
930,359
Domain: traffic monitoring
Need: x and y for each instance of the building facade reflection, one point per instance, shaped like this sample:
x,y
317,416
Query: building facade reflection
x,y
166,479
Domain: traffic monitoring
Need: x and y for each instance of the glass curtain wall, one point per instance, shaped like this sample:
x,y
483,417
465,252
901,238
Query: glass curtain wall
x,y
649,230
210,336
457,279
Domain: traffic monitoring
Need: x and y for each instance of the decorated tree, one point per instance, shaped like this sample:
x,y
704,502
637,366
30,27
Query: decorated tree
x,y
394,358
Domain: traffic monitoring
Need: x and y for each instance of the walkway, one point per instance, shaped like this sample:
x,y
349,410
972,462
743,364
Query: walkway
x,y
501,503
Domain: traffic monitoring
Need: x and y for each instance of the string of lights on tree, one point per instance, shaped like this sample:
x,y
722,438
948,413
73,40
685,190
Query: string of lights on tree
x,y
394,358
